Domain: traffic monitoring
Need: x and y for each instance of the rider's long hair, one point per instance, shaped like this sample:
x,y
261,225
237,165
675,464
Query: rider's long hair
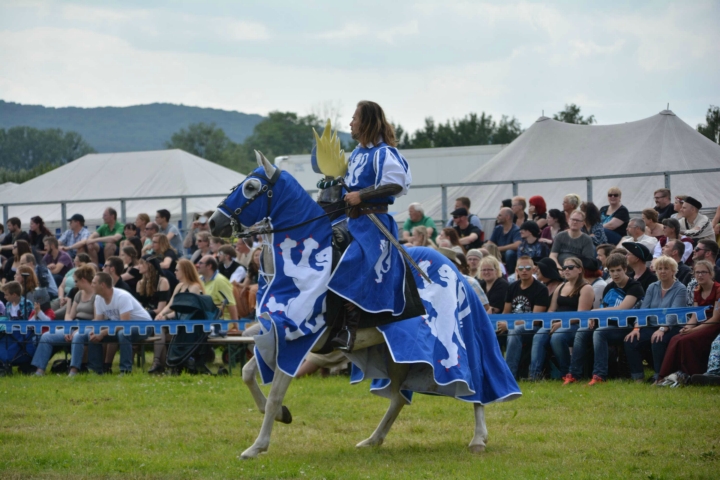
x,y
373,125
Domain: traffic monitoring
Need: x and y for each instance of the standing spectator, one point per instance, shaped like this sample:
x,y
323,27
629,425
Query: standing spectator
x,y
671,231
538,211
464,202
203,247
688,351
665,293
663,204
571,202
162,219
14,233
227,265
217,286
636,233
677,206
199,225
614,216
469,235
530,246
637,257
58,262
38,233
694,224
73,239
110,233
506,236
593,225
556,223
417,218
623,293
572,242
524,296
675,249
474,256
652,227
518,207
493,283
574,295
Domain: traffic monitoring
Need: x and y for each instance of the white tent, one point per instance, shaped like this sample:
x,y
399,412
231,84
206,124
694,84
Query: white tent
x,y
122,176
551,149
7,186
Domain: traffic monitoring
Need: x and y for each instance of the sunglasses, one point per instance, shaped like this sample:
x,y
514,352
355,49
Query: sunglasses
x,y
569,267
698,249
613,194
527,268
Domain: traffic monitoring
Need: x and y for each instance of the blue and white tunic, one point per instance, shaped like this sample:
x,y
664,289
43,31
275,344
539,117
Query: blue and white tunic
x,y
371,272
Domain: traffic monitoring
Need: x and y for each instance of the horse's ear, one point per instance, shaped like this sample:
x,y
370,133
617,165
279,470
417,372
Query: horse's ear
x,y
265,163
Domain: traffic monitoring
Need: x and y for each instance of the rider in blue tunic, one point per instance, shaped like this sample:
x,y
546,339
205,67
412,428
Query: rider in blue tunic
x,y
371,272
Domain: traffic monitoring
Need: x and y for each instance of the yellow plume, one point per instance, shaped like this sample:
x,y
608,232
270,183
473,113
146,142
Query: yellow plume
x,y
330,157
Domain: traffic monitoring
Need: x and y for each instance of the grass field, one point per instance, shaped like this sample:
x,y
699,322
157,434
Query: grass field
x,y
195,427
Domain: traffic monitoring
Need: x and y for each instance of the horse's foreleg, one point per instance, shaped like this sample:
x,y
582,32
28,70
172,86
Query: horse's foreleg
x,y
249,375
477,445
398,372
273,409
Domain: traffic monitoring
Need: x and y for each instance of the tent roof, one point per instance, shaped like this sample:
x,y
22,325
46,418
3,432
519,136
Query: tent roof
x,y
123,175
4,187
553,149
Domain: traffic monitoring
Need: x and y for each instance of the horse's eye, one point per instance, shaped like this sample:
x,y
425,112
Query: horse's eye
x,y
250,188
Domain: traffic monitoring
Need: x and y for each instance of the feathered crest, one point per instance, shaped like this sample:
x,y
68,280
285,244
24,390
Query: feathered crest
x,y
330,157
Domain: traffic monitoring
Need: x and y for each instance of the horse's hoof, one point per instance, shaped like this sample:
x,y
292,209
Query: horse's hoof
x,y
252,453
476,449
286,415
370,442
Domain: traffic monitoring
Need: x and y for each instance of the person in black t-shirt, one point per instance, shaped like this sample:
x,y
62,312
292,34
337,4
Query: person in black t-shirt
x,y
470,235
14,233
663,204
524,296
114,267
637,256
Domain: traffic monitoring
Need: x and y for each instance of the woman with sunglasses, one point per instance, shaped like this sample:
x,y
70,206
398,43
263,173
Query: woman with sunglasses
x,y
614,216
687,353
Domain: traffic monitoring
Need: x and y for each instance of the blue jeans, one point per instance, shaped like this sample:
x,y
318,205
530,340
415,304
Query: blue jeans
x,y
95,350
510,257
516,339
581,345
602,339
46,348
612,236
634,349
560,342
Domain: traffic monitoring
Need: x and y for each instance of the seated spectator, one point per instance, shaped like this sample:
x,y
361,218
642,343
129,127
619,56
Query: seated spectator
x,y
19,248
572,242
524,296
490,250
506,236
188,281
451,235
694,224
141,221
518,207
115,267
636,233
45,278
667,292
115,305
671,231
153,289
162,219
73,239
593,226
464,267
538,211
14,233
571,202
218,287
593,271
151,229
556,223
675,249
109,234
131,275
243,247
574,295
622,293
687,353
652,227
81,307
614,216
227,265
2,237
130,231
530,245
464,202
677,207
203,247
706,250
715,223
419,238
548,273
38,233
474,256
67,289
164,252
417,218
17,306
637,257
712,376
245,293
603,252
58,262
663,204
470,235
215,244
200,224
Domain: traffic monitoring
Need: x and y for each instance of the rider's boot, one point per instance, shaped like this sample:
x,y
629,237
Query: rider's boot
x,y
345,339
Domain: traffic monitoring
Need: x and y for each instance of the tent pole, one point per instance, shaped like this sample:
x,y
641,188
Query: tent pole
x,y
589,189
123,216
515,189
5,214
443,190
667,180
63,215
183,214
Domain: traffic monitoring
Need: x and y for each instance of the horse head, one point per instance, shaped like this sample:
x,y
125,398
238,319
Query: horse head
x,y
248,202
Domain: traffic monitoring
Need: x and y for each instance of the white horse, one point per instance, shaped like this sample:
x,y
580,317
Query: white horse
x,y
239,211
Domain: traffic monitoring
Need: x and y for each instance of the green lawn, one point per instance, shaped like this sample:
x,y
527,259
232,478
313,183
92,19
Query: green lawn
x,y
195,427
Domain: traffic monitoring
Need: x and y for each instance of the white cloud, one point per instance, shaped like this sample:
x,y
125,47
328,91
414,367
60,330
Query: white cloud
x,y
582,48
386,34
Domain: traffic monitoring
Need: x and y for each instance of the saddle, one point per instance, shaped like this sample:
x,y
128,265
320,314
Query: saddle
x,y
335,307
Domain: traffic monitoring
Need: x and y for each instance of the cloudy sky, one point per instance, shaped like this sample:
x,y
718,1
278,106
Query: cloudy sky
x,y
621,61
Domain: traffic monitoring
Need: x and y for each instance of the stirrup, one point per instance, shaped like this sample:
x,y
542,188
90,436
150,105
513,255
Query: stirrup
x,y
344,340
